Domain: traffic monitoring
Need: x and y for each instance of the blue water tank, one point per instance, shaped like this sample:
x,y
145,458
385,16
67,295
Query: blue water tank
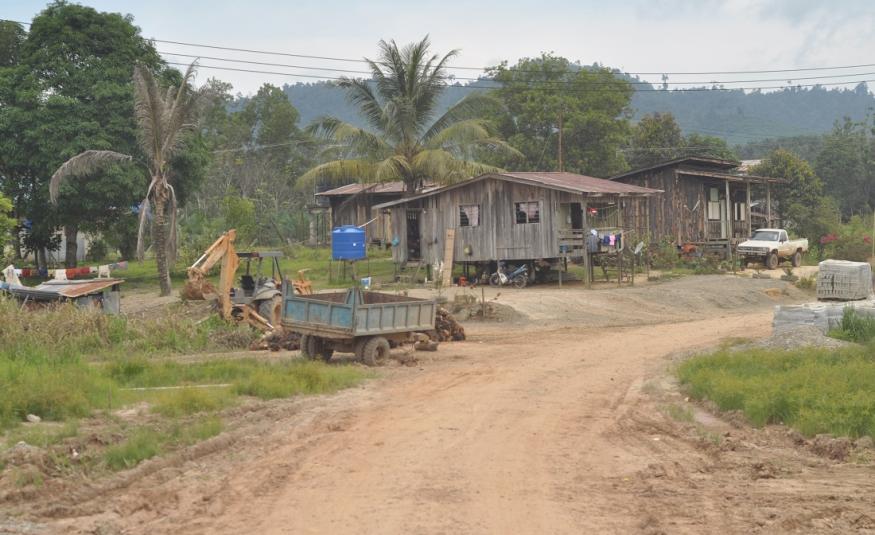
x,y
348,243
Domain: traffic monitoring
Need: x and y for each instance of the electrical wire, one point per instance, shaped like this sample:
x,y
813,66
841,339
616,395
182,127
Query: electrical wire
x,y
483,69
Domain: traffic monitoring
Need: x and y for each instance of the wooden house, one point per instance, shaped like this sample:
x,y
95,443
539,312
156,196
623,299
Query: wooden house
x,y
705,201
507,216
353,204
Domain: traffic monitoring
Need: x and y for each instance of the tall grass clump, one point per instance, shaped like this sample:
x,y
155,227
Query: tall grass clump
x,y
855,327
813,390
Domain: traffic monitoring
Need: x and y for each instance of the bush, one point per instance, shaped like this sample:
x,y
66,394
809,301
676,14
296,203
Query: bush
x,y
97,250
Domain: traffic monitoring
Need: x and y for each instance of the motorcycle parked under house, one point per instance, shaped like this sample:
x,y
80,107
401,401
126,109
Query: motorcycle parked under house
x,y
518,277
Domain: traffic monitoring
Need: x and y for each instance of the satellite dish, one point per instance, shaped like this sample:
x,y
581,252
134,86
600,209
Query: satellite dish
x,y
639,247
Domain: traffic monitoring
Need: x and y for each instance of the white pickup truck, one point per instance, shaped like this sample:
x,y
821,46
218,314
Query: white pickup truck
x,y
771,245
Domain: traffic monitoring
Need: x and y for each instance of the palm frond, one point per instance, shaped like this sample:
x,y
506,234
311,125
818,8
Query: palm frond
x,y
148,110
356,140
338,172
83,164
446,168
473,105
144,212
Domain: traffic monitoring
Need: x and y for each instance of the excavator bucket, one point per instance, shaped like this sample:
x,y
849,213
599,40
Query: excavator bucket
x,y
198,289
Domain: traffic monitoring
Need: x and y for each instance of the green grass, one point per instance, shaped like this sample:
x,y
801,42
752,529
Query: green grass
x,y
147,442
43,435
298,378
813,390
855,327
185,401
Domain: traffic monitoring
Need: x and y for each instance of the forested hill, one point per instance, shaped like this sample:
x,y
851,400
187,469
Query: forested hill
x,y
736,116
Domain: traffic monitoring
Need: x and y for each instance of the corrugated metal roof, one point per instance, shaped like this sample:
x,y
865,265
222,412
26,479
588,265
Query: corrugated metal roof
x,y
716,163
570,182
73,289
580,183
732,178
384,188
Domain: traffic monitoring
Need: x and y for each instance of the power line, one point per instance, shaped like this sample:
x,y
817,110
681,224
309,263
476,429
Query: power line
x,y
359,60
570,90
553,82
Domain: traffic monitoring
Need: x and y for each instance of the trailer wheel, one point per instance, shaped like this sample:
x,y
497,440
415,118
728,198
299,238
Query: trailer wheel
x,y
796,259
375,351
359,348
308,350
772,261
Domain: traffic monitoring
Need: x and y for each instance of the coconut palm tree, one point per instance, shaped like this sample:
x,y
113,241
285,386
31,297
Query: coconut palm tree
x,y
404,141
163,117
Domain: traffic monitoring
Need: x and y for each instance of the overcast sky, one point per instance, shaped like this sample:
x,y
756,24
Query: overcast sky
x,y
635,36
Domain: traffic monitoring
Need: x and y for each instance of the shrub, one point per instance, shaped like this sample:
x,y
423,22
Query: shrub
x,y
855,327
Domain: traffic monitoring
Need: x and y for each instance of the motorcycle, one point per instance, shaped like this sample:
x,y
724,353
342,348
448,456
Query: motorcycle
x,y
518,277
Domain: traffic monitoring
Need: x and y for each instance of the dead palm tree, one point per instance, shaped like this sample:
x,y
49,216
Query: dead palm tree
x,y
405,142
162,117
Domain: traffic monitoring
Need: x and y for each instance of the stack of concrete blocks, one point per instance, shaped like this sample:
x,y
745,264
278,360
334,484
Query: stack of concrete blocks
x,y
840,285
841,280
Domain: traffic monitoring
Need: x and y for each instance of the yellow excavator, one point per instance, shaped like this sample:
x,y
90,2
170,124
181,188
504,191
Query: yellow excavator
x,y
258,300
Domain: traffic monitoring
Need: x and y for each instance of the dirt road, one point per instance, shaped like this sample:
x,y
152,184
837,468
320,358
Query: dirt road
x,y
518,430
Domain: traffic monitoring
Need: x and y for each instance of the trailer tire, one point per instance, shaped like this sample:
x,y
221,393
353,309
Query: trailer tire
x,y
307,347
375,351
359,348
796,259
772,261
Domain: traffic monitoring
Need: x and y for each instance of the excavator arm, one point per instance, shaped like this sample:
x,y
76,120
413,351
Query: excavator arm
x,y
197,287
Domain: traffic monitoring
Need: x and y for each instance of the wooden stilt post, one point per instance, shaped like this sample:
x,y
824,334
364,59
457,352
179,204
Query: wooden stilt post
x,y
749,219
729,232
587,259
769,204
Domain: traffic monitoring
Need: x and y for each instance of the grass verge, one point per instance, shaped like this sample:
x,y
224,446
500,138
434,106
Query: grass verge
x,y
146,442
812,390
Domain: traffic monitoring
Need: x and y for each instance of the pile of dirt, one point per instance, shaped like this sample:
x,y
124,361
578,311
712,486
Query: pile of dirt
x,y
467,307
276,340
446,327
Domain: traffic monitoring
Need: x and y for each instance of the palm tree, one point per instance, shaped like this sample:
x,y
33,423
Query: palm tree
x,y
162,118
404,141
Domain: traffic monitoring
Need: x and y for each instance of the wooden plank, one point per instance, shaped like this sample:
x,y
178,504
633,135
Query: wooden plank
x,y
449,243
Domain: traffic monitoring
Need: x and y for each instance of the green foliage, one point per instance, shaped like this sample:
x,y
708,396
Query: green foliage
x,y
658,137
410,146
855,327
593,105
6,222
239,213
847,166
803,186
850,241
97,250
813,390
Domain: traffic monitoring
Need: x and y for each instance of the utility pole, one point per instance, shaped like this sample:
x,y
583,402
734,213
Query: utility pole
x,y
560,140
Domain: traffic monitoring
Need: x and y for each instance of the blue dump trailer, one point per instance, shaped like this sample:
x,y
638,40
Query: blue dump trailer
x,y
355,321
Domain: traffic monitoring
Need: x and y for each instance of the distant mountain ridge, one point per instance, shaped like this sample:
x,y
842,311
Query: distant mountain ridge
x,y
736,116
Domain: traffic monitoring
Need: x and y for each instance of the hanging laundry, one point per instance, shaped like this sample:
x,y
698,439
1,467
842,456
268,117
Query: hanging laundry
x,y
612,240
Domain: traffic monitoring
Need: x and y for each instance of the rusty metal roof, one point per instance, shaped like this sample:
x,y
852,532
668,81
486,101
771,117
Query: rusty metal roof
x,y
570,182
756,179
73,289
384,188
714,163
578,183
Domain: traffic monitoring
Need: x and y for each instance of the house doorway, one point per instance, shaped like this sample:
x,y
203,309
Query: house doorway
x,y
414,239
570,216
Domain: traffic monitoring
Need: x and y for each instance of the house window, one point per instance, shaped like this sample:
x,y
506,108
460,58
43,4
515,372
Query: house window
x,y
740,212
528,212
469,215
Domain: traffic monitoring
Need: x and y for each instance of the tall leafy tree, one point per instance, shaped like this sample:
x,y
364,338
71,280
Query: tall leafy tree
x,y
7,224
847,166
547,95
655,138
163,117
405,141
71,91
